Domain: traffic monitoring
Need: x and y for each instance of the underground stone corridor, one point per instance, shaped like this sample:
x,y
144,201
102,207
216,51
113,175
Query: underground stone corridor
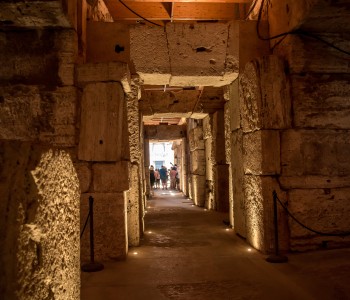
x,y
188,252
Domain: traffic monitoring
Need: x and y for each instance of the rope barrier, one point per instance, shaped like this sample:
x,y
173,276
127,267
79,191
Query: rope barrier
x,y
306,227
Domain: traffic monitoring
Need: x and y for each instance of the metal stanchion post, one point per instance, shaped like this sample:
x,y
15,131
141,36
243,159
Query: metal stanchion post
x,y
92,266
276,257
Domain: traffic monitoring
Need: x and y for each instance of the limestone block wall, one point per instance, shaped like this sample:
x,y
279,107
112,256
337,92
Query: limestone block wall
x,y
103,161
265,112
315,151
40,190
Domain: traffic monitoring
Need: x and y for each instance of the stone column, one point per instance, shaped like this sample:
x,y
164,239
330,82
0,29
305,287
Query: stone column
x,y
146,166
196,144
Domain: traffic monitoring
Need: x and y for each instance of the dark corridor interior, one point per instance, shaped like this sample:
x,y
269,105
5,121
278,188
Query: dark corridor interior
x,y
188,252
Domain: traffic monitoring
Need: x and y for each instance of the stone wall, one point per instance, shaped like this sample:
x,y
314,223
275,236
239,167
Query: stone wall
x,y
40,190
315,156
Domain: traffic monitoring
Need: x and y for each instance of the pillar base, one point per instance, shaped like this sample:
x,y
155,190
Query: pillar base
x,y
92,267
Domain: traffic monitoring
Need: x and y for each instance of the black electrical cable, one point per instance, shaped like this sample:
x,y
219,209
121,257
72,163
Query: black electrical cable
x,y
82,232
138,14
298,32
306,227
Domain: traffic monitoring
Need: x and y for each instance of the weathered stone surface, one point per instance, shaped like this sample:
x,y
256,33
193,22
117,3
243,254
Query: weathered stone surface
x,y
239,214
315,152
197,49
29,113
102,72
150,42
110,233
39,229
165,132
321,101
108,178
264,95
234,105
198,162
103,39
323,210
314,181
103,128
304,55
33,14
259,213
196,141
133,206
84,176
198,189
49,61
261,152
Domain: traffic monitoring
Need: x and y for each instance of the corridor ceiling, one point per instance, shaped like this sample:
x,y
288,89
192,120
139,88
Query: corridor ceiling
x,y
162,11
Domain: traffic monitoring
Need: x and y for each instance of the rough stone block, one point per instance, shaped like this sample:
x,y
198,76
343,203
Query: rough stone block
x,y
198,189
314,181
315,152
198,162
165,132
264,95
196,141
103,127
133,206
197,49
209,159
84,176
219,136
237,182
306,55
29,113
109,178
321,101
150,42
234,105
259,213
103,72
261,152
109,226
324,210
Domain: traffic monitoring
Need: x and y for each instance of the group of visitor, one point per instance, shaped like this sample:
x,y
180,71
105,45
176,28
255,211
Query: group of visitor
x,y
162,175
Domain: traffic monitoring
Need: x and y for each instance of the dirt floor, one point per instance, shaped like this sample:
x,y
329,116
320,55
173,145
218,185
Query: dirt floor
x,y
189,253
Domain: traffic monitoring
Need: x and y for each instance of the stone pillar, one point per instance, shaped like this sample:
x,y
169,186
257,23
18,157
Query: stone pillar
x,y
184,167
39,224
104,151
197,154
134,194
146,166
265,110
210,171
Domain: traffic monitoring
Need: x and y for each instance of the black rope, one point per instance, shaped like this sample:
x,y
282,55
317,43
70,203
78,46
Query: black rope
x,y
88,216
306,227
298,32
139,15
